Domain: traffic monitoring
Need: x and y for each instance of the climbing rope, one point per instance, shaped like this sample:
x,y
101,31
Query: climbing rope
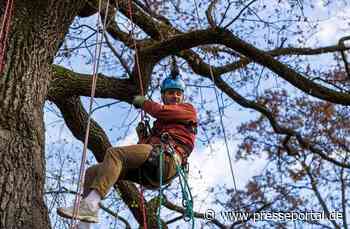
x,y
223,127
219,110
187,199
4,31
136,52
96,62
137,63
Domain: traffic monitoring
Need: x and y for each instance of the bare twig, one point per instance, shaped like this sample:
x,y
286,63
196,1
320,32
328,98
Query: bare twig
x,y
239,14
120,58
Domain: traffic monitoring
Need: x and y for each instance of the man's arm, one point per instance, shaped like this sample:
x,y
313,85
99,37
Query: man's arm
x,y
183,111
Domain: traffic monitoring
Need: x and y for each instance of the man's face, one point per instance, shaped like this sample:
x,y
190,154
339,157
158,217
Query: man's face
x,y
172,97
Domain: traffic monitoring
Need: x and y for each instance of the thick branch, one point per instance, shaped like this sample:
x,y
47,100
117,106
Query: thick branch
x,y
225,37
66,83
189,40
220,36
202,68
290,75
75,118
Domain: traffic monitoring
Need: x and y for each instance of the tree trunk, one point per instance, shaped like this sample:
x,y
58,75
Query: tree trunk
x,y
37,30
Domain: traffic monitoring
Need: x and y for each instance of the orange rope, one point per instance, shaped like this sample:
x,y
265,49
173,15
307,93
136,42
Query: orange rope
x,y
142,112
96,61
5,29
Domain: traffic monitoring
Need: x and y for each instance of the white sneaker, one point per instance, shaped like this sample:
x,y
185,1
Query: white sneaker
x,y
84,213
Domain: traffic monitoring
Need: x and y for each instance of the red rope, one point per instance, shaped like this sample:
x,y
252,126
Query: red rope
x,y
143,208
142,114
5,29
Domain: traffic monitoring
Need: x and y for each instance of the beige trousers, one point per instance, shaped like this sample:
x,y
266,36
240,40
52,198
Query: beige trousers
x,y
127,163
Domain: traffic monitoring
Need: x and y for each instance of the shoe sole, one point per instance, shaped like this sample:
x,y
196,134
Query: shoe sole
x,y
87,219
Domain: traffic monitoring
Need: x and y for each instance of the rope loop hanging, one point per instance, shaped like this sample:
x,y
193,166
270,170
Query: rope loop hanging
x,y
96,61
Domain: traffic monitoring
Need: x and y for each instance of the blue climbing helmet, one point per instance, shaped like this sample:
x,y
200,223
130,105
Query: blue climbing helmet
x,y
172,82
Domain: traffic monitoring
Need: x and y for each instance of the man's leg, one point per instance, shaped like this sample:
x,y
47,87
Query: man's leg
x,y
91,196
90,174
117,160
88,211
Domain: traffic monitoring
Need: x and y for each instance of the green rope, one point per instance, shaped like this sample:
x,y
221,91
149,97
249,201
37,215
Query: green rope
x,y
187,199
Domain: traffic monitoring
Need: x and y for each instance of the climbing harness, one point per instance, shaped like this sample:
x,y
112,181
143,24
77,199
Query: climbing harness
x,y
168,146
187,199
96,61
4,32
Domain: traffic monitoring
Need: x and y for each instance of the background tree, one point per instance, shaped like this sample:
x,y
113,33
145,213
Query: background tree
x,y
261,55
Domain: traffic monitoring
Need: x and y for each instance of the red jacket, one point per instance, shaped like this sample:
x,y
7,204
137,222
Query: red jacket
x,y
177,120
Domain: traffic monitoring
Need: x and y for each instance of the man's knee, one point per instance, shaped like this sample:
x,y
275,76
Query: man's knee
x,y
91,172
90,175
115,154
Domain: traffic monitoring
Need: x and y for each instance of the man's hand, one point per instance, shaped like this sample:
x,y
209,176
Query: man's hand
x,y
141,131
138,101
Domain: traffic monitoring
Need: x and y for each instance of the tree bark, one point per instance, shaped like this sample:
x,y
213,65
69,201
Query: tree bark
x,y
37,30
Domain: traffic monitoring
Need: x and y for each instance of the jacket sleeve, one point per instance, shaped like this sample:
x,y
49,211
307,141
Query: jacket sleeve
x,y
183,111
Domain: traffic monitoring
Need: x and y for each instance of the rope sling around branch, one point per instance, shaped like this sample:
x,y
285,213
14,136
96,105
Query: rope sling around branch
x,y
96,57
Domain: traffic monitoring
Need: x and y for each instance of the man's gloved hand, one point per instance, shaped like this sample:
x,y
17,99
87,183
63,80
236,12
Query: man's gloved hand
x,y
141,130
138,101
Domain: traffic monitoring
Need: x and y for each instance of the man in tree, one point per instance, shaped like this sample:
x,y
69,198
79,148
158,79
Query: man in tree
x,y
140,163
